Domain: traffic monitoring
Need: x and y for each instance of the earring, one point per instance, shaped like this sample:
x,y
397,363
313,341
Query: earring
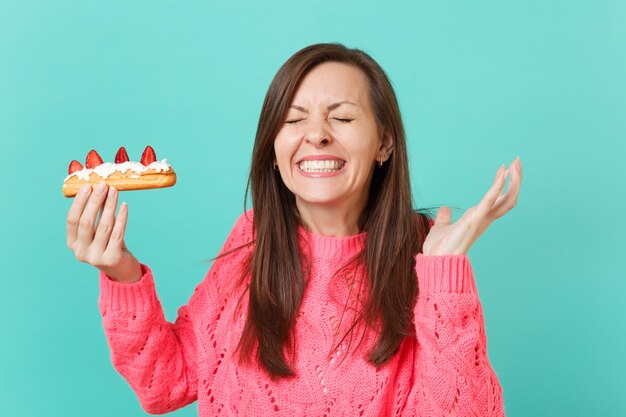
x,y
383,159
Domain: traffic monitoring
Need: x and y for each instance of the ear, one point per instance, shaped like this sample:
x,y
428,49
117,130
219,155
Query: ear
x,y
386,145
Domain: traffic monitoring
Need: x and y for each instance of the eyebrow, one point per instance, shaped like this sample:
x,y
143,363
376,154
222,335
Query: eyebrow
x,y
329,108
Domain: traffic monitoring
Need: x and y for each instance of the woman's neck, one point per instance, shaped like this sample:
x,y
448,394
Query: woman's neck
x,y
328,220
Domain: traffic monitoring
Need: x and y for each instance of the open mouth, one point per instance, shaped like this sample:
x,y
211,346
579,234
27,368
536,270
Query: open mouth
x,y
327,165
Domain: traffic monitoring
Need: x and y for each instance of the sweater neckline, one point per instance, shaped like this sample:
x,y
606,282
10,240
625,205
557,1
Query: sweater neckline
x,y
332,247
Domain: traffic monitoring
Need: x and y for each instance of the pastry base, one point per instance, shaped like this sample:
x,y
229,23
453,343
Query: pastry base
x,y
122,181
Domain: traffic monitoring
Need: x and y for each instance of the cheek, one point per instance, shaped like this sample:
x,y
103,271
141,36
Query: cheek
x,y
363,160
284,152
285,149
285,173
366,152
279,148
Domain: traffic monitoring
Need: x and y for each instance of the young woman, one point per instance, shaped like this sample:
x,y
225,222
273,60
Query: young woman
x,y
332,295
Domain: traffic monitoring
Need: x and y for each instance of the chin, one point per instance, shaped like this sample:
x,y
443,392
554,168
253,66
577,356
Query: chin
x,y
318,198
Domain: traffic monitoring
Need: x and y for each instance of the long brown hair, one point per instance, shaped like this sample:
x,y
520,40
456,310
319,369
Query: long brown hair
x,y
395,232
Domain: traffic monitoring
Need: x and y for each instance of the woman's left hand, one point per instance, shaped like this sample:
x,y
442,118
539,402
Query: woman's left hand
x,y
456,239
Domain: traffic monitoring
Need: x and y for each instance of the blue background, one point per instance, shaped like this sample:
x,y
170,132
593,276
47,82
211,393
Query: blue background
x,y
478,83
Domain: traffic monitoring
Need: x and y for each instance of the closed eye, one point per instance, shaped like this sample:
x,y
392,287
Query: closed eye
x,y
293,121
343,119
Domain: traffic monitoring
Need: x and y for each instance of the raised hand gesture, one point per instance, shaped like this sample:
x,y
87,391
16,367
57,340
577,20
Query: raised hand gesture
x,y
446,238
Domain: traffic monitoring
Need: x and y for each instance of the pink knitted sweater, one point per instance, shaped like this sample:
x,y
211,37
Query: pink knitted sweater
x,y
442,371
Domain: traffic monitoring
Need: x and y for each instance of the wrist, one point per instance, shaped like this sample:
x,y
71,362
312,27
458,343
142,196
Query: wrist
x,y
128,274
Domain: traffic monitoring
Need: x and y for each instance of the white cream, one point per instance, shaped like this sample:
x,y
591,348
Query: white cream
x,y
108,168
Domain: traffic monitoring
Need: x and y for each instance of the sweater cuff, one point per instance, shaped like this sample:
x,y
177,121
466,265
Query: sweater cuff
x,y
123,298
444,274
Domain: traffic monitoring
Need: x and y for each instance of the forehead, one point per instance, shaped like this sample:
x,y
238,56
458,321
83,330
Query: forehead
x,y
333,81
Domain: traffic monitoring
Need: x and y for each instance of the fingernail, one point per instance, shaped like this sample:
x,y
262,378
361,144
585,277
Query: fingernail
x,y
101,187
85,189
111,191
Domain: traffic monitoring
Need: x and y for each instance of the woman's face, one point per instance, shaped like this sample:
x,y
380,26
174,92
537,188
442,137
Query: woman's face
x,y
329,142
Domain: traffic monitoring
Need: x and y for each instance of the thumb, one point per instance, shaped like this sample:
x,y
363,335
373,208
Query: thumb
x,y
444,216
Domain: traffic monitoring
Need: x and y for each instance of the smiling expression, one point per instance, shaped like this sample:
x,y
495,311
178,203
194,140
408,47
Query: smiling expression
x,y
329,143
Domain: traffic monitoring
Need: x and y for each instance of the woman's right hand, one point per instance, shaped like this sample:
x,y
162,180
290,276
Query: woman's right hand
x,y
102,247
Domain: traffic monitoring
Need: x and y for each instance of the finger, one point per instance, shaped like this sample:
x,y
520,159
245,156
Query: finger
x,y
514,183
106,222
116,242
444,216
88,218
74,214
509,200
493,193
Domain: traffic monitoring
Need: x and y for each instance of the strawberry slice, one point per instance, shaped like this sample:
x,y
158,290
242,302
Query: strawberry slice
x,y
74,166
148,156
93,159
121,156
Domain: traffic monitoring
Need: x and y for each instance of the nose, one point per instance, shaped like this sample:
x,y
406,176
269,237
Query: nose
x,y
317,135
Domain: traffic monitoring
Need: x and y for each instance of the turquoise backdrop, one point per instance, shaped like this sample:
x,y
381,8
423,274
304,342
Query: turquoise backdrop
x,y
478,83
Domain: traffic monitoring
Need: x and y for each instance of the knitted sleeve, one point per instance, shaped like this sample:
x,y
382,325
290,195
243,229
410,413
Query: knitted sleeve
x,y
158,358
453,375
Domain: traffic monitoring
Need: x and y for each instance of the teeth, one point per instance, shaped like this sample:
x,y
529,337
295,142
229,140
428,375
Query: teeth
x,y
321,166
